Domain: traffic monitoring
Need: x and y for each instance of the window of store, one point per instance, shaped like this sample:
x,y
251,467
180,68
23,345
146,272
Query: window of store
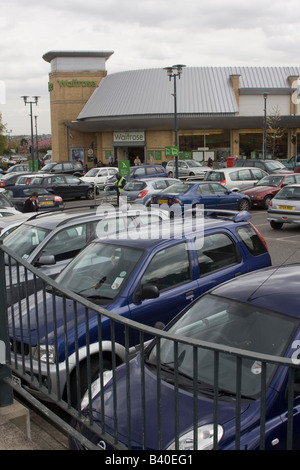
x,y
217,142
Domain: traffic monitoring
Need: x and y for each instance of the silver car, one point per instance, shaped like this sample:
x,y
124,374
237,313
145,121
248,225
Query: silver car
x,y
187,168
284,208
140,191
236,179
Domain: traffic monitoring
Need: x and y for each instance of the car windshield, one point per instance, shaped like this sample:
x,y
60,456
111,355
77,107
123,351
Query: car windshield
x,y
48,167
177,188
289,192
193,163
25,239
270,180
135,186
100,271
92,172
274,165
231,323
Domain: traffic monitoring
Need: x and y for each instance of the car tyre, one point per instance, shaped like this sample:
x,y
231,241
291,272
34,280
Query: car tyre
x,y
170,174
244,205
90,194
276,225
267,200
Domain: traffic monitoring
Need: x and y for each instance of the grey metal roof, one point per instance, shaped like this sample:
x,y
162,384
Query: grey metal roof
x,y
141,98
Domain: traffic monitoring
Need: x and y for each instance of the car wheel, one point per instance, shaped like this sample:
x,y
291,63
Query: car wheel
x,y
267,200
244,205
94,374
276,225
170,174
90,194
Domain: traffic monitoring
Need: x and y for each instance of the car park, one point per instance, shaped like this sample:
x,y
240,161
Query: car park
x,y
270,166
257,321
65,186
50,242
210,195
236,179
17,195
187,168
99,175
140,191
148,278
265,189
284,208
69,167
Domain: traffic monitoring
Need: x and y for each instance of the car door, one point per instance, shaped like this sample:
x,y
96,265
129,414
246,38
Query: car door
x,y
75,187
172,270
206,196
57,185
224,199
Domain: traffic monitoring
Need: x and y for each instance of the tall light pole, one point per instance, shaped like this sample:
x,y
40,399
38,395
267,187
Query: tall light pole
x,y
36,139
174,72
8,135
27,101
265,127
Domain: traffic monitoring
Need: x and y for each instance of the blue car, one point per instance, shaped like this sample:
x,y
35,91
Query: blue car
x,y
252,313
210,195
148,279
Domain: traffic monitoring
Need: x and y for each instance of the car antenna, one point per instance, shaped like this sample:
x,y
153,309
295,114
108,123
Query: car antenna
x,y
272,273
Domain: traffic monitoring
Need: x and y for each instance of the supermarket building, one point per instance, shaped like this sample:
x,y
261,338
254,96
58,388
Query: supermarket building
x,y
221,111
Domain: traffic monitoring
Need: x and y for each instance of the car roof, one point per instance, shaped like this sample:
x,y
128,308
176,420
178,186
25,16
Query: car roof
x,y
263,288
214,218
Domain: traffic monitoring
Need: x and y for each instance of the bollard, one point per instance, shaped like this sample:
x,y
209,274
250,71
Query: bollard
x,y
6,392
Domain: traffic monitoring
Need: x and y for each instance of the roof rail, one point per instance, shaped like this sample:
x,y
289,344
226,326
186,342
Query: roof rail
x,y
236,216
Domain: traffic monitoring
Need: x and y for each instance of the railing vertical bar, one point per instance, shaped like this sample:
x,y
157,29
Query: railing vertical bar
x,y
238,402
176,408
115,401
128,397
101,370
158,388
88,357
216,398
68,385
263,405
45,318
76,393
195,397
291,382
143,391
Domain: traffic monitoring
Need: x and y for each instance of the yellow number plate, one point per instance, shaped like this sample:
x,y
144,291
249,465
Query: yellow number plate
x,y
162,201
286,208
46,203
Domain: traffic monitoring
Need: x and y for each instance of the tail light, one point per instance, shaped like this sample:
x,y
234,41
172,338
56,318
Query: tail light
x,y
223,182
270,203
57,199
260,235
142,194
2,184
174,201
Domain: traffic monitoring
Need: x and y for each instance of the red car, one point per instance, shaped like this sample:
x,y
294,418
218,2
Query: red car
x,y
266,188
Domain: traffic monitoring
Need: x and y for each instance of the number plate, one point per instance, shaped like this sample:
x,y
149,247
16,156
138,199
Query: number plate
x,y
286,208
46,203
162,201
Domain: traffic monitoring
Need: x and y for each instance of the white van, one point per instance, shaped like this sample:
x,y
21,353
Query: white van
x,y
48,157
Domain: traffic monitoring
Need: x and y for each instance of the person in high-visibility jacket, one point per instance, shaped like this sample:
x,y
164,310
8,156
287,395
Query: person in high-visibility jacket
x,y
120,183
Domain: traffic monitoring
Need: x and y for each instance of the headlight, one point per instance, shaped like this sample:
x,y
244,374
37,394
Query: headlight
x,y
205,438
95,388
45,353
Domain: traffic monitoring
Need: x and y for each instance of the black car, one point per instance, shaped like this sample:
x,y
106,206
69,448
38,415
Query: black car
x,y
270,166
66,186
17,195
69,168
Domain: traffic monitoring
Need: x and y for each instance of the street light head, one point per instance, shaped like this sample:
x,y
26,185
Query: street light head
x,y
169,71
25,99
36,98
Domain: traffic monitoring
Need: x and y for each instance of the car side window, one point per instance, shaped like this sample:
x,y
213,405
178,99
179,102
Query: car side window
x,y
168,268
289,179
245,175
297,178
257,174
68,166
139,172
218,188
216,251
59,179
58,167
160,184
67,243
72,179
203,189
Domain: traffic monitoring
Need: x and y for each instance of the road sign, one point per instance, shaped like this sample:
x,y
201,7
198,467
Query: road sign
x,y
124,167
172,151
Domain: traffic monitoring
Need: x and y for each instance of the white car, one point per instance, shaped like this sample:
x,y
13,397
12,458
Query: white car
x,y
99,175
187,168
284,208
8,211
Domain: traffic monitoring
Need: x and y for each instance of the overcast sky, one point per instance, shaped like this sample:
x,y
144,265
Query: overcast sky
x,y
142,34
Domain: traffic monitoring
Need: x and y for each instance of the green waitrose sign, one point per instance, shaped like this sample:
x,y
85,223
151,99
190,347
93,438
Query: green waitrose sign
x,y
73,84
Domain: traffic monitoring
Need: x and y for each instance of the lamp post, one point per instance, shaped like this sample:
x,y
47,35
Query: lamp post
x,y
27,101
265,127
36,139
174,72
8,136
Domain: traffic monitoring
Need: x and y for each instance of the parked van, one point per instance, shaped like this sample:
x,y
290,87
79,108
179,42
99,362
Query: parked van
x,y
48,157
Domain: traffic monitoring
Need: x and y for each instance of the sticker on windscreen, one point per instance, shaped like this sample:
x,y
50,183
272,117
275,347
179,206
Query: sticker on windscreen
x,y
117,282
256,368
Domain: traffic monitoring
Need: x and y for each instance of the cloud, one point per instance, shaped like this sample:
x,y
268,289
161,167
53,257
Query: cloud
x,y
145,34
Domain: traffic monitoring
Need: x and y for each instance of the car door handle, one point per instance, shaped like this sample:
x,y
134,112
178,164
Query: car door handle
x,y
190,295
239,273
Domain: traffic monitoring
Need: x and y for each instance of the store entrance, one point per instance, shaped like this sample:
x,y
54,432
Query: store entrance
x,y
129,153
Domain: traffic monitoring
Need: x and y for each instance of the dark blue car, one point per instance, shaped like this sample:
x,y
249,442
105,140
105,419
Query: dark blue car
x,y
210,195
253,314
149,279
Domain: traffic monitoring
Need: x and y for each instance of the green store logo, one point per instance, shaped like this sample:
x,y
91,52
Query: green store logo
x,y
72,84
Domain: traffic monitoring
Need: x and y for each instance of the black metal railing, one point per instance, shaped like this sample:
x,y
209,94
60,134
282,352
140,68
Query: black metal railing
x,y
53,354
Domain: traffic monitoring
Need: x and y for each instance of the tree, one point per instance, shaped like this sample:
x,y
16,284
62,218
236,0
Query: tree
x,y
3,139
274,131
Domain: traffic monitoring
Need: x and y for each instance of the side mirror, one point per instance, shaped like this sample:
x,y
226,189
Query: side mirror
x,y
45,260
147,291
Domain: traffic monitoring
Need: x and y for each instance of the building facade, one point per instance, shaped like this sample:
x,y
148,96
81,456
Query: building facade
x,y
246,112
